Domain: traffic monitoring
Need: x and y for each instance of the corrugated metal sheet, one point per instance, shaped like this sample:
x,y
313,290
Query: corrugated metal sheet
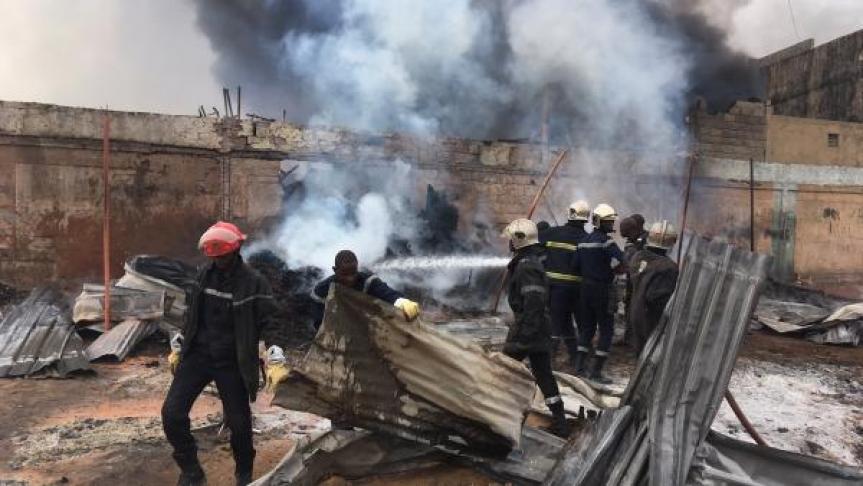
x,y
360,454
125,304
120,340
38,335
658,434
370,368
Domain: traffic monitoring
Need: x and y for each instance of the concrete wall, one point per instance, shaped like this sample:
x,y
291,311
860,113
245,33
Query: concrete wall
x,y
173,175
825,82
807,194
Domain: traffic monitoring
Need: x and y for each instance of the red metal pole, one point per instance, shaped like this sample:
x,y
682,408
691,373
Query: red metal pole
x,y
530,212
106,216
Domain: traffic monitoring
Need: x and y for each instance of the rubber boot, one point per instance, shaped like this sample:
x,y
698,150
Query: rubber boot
x,y
596,373
560,427
243,470
191,473
580,363
243,478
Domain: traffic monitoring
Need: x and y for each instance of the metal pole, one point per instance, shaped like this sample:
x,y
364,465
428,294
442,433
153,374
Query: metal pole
x,y
743,420
239,98
751,205
692,158
106,216
530,212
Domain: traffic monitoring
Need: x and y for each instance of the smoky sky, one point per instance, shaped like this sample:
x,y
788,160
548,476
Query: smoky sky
x,y
267,47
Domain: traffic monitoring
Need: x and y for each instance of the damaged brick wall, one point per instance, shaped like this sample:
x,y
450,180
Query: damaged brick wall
x,y
825,82
174,175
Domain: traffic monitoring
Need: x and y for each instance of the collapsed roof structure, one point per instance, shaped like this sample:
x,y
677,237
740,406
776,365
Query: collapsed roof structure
x,y
445,402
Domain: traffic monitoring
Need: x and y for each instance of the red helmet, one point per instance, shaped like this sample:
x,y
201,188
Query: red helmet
x,y
220,239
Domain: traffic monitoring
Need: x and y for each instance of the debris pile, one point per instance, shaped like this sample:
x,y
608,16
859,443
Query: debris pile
x,y
292,290
661,432
37,336
810,314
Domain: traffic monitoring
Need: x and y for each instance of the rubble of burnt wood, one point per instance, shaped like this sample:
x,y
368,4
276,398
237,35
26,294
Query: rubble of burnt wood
x,y
292,290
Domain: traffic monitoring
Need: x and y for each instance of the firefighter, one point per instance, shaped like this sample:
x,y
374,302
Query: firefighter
x,y
632,229
530,335
346,272
561,243
228,308
654,278
597,260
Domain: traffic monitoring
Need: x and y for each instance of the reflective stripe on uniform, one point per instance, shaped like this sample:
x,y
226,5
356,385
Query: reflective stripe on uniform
x,y
561,245
532,288
553,400
601,353
563,276
369,282
316,298
583,349
251,298
222,295
596,245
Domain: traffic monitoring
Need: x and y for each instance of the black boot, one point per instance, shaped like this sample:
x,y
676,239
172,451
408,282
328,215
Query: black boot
x,y
596,373
243,470
560,427
579,362
243,478
191,473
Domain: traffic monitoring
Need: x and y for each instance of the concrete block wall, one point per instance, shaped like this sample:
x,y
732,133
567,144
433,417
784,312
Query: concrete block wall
x,y
825,82
173,175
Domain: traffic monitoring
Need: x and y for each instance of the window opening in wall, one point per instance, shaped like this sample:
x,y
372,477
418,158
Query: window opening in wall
x,y
832,139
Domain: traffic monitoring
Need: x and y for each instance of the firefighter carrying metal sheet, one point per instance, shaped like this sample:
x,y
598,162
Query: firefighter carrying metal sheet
x,y
597,260
530,335
560,244
654,277
347,273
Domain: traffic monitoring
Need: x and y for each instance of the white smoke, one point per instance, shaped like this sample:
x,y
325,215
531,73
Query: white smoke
x,y
354,210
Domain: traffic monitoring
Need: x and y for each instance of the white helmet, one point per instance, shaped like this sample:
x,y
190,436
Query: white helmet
x,y
579,211
603,212
522,233
662,235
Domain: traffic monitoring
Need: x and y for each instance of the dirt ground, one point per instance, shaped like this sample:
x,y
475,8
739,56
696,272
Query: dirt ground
x,y
104,428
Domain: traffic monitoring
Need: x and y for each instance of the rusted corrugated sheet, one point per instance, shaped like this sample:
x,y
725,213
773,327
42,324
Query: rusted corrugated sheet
x,y
38,335
370,368
119,341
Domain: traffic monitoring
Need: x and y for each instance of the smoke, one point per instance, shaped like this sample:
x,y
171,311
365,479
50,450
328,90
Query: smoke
x,y
360,210
479,68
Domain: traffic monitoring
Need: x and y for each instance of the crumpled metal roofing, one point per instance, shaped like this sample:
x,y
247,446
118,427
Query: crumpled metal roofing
x,y
658,435
38,335
370,368
358,454
125,304
120,339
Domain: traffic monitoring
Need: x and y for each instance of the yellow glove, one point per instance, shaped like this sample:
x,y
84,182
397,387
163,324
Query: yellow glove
x,y
410,308
276,373
174,361
176,347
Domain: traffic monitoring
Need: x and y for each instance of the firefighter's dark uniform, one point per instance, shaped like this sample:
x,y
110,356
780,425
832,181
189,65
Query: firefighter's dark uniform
x,y
596,258
630,248
366,282
530,335
654,277
560,244
227,311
